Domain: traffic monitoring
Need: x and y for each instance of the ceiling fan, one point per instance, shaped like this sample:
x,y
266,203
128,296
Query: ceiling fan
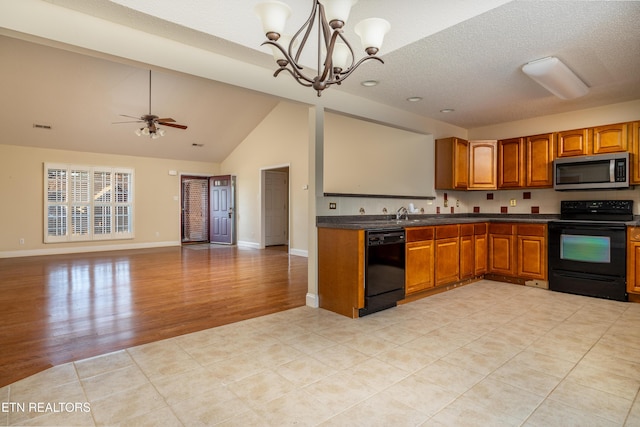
x,y
152,121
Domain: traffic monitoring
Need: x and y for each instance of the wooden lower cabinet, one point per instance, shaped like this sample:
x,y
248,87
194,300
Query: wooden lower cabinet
x,y
502,254
633,260
447,254
480,249
467,252
419,272
341,270
532,251
518,251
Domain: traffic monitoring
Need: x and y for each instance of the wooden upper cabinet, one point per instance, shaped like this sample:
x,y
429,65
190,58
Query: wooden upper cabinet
x,y
510,163
482,165
634,148
573,143
451,164
610,139
539,160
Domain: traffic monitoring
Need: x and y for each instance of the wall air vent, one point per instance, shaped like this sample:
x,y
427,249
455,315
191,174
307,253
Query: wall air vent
x,y
41,126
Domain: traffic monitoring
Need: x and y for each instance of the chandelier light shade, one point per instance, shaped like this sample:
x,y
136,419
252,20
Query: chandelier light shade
x,y
336,59
556,77
274,15
372,32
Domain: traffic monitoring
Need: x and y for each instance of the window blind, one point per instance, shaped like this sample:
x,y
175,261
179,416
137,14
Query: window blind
x,y
87,203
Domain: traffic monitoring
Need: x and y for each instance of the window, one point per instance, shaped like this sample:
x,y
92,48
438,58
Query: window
x,y
87,203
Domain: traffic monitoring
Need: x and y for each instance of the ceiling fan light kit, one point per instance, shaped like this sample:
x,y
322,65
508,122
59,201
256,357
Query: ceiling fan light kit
x,y
556,77
151,129
336,59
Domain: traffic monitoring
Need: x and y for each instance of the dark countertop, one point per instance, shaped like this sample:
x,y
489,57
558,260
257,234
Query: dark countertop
x,y
371,222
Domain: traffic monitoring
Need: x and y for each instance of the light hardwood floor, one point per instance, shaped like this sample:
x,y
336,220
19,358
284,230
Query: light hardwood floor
x,y
62,308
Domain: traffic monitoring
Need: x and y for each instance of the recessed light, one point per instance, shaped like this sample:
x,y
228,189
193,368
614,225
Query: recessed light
x,y
369,83
414,99
447,110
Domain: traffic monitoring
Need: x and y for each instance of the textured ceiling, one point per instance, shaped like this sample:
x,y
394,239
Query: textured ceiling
x,y
460,54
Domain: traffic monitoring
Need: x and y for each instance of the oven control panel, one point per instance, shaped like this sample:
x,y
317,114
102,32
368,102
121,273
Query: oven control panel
x,y
597,209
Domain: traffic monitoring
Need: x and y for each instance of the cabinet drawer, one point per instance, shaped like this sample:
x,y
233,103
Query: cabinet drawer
x,y
532,230
416,234
501,228
466,229
480,228
446,231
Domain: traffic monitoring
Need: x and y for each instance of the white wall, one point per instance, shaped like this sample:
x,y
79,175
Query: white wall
x,y
281,139
157,199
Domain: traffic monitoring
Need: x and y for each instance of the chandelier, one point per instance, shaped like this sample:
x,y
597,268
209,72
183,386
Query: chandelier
x,y
336,60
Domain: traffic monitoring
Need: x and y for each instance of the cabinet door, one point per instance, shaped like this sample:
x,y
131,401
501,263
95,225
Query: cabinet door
x,y
510,163
467,255
419,266
482,165
447,261
502,255
460,164
634,148
610,139
480,244
451,164
573,143
532,257
633,260
539,161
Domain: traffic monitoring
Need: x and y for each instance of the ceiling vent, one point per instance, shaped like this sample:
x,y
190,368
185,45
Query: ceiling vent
x,y
41,126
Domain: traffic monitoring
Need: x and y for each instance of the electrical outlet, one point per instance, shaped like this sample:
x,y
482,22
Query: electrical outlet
x,y
332,205
512,202
22,241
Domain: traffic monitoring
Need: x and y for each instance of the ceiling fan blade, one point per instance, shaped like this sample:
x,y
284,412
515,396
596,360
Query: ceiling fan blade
x,y
131,117
173,125
166,120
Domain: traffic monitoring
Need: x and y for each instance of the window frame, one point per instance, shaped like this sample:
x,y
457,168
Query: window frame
x,y
82,198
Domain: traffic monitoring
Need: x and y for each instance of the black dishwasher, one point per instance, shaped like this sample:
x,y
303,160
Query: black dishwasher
x,y
384,270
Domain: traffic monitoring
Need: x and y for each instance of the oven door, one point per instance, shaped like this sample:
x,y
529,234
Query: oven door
x,y
588,248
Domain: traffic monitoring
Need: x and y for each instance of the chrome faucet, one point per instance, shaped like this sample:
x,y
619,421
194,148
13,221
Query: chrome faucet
x,y
402,212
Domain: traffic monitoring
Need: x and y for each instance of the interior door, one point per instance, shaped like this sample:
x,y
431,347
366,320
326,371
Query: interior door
x,y
221,209
195,209
276,208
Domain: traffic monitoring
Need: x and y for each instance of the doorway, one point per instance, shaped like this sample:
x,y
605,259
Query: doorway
x,y
207,209
195,209
275,206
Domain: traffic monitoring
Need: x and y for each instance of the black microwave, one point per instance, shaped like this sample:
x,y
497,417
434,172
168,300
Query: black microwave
x,y
601,171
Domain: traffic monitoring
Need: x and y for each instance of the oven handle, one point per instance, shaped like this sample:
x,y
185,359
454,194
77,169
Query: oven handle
x,y
588,227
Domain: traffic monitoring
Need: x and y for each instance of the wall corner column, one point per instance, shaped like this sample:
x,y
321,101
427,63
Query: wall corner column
x,y
316,191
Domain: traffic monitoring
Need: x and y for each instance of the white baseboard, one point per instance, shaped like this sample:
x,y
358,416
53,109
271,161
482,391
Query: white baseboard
x,y
299,252
312,300
59,250
245,244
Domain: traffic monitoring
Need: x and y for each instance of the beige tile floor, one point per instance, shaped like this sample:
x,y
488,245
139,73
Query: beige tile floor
x,y
486,354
